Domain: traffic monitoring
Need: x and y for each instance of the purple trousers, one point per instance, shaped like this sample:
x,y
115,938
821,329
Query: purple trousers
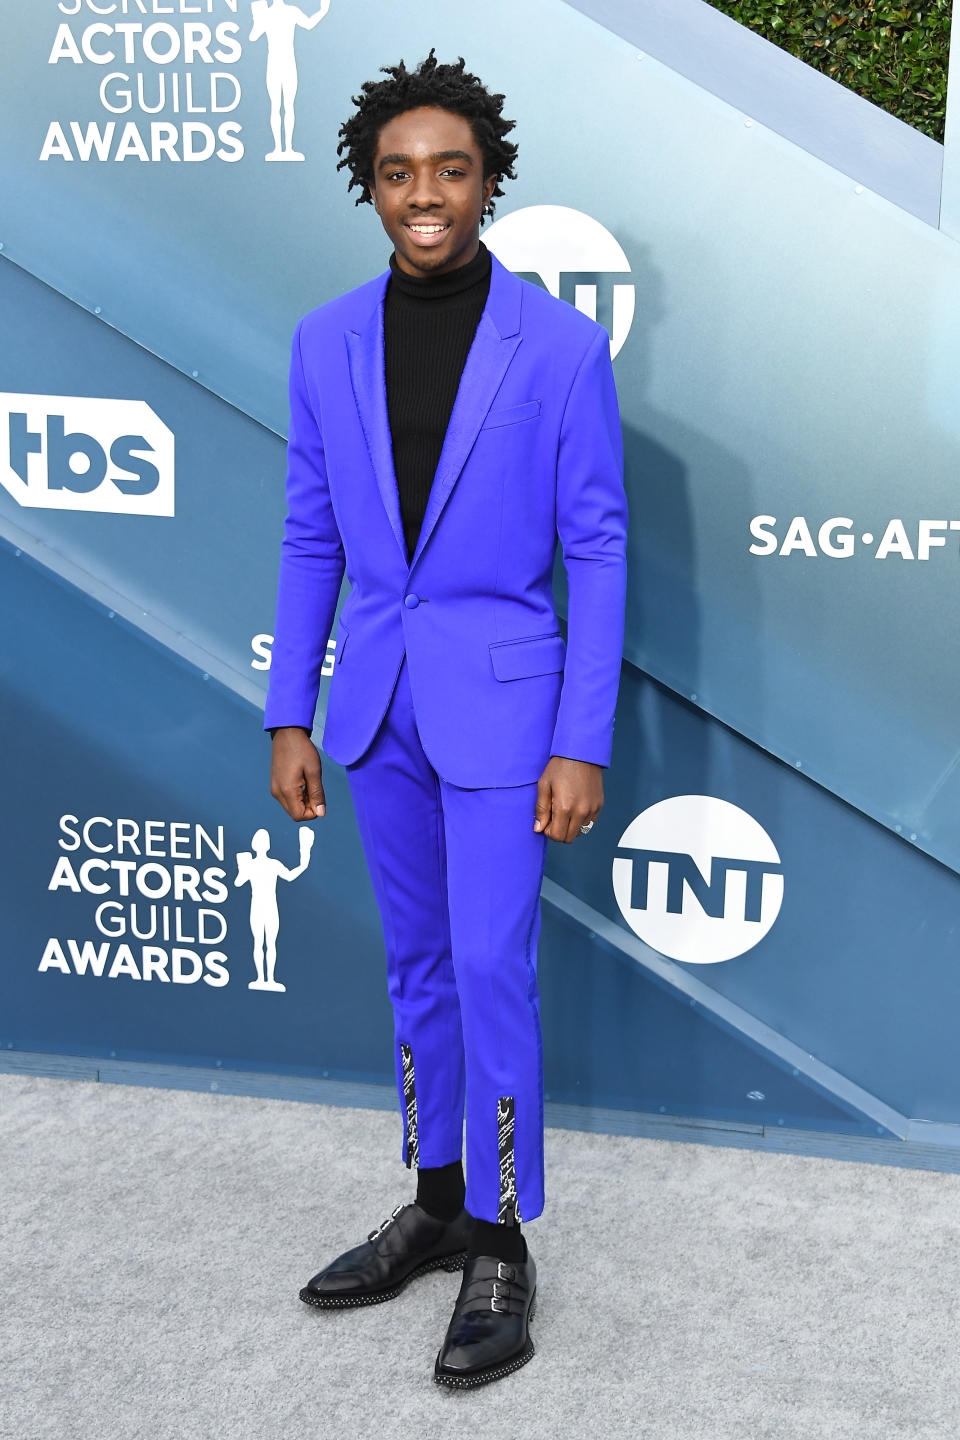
x,y
457,874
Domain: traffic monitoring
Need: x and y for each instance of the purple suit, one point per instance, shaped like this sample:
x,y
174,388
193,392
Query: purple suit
x,y
450,745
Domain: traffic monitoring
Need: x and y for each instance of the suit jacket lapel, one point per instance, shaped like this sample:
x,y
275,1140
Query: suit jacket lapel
x,y
368,377
493,347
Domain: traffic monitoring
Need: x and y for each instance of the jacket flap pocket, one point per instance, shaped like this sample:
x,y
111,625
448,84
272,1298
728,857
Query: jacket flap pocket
x,y
532,655
510,414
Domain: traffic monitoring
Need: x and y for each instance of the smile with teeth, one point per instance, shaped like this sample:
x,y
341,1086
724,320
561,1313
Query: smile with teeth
x,y
425,227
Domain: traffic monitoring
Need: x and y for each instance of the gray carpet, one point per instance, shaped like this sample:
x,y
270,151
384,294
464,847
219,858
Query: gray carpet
x,y
153,1243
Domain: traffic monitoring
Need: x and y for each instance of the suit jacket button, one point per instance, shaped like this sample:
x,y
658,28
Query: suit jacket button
x,y
411,601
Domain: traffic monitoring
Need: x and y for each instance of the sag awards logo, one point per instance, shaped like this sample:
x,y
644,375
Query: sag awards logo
x,y
180,69
574,257
838,538
701,880
157,892
69,452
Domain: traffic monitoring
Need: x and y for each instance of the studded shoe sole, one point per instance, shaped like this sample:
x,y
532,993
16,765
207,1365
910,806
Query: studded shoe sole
x,y
490,1372
452,1262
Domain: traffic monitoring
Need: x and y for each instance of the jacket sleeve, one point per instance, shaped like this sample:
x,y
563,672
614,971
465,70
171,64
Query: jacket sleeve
x,y
312,565
592,518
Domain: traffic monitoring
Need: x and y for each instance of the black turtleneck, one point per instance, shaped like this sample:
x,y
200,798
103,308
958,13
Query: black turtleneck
x,y
428,327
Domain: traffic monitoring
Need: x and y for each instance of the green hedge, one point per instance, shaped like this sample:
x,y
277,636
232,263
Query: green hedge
x,y
894,55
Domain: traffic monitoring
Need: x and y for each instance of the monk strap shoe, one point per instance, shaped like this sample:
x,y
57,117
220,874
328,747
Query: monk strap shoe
x,y
410,1242
488,1334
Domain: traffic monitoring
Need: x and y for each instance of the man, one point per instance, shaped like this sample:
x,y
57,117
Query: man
x,y
448,421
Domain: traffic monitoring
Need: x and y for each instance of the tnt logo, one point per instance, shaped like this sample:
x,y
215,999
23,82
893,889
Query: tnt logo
x,y
702,882
575,258
69,452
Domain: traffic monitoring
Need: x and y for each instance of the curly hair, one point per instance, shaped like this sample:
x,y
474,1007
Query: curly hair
x,y
449,86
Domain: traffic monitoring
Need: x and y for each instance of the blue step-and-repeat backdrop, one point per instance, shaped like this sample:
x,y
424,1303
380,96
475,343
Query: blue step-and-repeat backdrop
x,y
763,927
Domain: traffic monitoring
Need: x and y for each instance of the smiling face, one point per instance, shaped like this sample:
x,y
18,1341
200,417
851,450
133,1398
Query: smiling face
x,y
429,189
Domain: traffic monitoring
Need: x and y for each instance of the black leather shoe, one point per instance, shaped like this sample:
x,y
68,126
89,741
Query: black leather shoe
x,y
488,1334
408,1243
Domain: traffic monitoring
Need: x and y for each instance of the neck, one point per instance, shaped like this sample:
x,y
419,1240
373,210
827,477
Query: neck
x,y
448,282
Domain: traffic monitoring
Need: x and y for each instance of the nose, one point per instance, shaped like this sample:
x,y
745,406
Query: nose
x,y
425,190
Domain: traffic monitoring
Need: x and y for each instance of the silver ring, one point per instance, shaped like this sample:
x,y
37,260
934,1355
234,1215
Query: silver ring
x,y
585,829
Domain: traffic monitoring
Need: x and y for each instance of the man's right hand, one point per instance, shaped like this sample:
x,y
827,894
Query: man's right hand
x,y
296,774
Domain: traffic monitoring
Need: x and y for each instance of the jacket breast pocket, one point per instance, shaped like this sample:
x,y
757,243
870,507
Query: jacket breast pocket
x,y
527,655
512,414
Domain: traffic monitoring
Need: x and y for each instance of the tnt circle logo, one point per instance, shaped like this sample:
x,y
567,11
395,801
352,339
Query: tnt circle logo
x,y
702,881
575,258
68,452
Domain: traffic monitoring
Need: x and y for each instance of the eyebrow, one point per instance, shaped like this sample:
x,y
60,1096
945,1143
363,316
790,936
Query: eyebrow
x,y
397,159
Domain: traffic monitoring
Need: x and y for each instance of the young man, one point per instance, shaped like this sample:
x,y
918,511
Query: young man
x,y
447,422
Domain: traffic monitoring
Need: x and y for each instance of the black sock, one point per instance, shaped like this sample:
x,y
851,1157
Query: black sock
x,y
504,1241
441,1190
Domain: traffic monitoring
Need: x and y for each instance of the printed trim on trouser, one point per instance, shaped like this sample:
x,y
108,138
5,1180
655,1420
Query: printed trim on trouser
x,y
508,1212
410,1101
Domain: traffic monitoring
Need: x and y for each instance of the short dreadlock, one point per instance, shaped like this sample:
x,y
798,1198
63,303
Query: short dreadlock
x,y
448,86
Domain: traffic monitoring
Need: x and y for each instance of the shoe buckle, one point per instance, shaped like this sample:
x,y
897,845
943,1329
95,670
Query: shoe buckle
x,y
499,1298
389,1221
505,1271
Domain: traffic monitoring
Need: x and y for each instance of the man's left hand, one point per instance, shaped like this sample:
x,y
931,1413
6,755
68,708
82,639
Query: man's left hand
x,y
569,794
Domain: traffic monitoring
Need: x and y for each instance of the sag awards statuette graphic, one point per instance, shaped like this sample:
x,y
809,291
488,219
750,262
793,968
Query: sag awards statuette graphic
x,y
279,21
165,87
159,892
261,871
700,880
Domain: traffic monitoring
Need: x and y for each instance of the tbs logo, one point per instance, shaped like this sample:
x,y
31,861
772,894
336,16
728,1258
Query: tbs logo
x,y
701,880
69,452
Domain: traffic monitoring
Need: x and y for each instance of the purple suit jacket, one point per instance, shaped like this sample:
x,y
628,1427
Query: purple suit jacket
x,y
533,451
